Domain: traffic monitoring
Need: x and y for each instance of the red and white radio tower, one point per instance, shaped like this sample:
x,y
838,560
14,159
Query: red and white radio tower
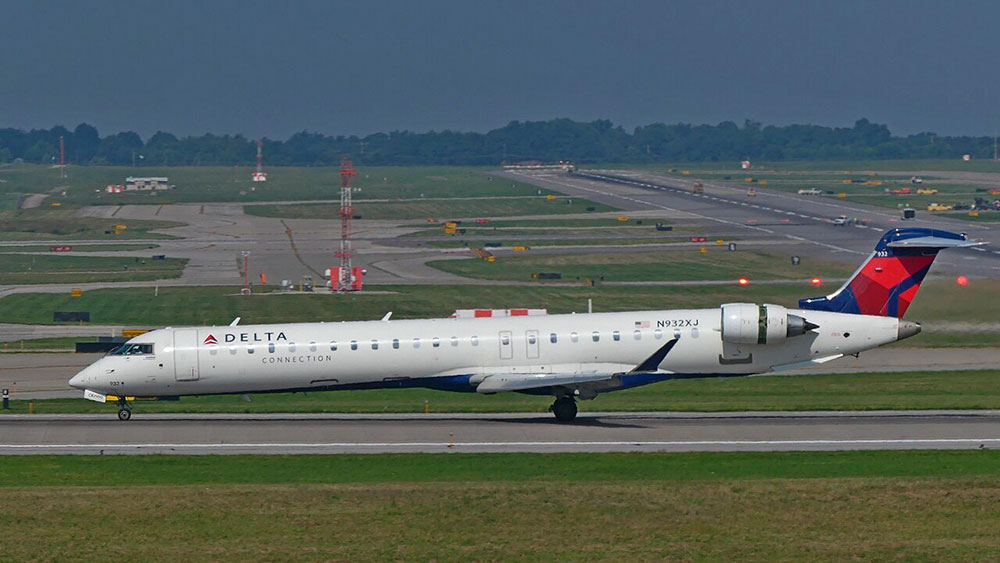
x,y
62,156
260,175
347,172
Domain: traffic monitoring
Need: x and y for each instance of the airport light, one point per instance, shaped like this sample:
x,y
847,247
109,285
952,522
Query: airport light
x,y
816,282
743,281
962,281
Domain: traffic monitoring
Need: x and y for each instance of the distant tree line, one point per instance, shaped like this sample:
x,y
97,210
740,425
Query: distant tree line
x,y
596,141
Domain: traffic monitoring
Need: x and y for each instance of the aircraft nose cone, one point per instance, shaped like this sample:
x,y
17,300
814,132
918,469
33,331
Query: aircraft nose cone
x,y
907,329
76,382
80,380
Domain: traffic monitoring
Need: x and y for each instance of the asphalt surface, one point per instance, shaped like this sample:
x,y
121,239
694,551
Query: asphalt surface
x,y
591,432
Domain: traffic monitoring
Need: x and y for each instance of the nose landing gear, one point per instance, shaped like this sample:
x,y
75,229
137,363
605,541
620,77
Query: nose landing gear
x,y
564,408
124,409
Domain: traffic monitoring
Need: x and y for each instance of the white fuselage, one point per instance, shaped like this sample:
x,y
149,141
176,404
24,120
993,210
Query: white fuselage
x,y
459,354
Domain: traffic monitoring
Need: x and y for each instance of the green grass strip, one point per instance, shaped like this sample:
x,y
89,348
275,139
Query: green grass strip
x,y
87,471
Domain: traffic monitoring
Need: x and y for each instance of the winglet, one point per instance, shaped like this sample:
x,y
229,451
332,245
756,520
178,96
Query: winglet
x,y
653,362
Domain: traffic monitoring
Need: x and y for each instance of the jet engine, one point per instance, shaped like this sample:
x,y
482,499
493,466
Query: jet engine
x,y
749,323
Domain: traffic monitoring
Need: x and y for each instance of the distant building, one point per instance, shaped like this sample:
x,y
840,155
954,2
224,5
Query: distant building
x,y
160,183
259,176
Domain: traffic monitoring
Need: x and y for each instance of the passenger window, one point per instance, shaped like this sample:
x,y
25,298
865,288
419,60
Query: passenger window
x,y
354,345
213,350
416,343
312,346
333,345
677,333
395,344
474,340
637,335
454,341
435,342
249,348
232,349
374,344
574,337
504,339
532,339
596,336
616,335
291,346
270,347
657,334
553,338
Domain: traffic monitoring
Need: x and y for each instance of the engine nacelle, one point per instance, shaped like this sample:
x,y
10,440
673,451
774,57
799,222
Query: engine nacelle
x,y
749,323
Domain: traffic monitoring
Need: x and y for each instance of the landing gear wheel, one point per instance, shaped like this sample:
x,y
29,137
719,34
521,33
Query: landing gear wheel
x,y
564,408
124,414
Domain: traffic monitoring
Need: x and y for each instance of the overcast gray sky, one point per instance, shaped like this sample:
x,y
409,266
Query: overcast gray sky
x,y
274,68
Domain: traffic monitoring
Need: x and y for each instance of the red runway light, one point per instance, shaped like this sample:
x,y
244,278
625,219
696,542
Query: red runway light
x,y
962,280
743,281
816,281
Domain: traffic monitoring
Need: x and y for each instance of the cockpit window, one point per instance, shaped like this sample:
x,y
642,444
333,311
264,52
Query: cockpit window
x,y
132,349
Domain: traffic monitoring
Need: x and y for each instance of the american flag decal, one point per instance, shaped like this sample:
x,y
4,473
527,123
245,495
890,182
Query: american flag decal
x,y
641,324
210,339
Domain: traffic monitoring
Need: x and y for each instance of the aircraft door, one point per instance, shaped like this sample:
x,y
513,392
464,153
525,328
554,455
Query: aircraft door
x,y
531,341
186,354
506,345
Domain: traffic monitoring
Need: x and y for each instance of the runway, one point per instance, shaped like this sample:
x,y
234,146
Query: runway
x,y
804,222
461,433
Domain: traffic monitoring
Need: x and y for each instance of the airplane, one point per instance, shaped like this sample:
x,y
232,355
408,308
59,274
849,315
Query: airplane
x,y
567,356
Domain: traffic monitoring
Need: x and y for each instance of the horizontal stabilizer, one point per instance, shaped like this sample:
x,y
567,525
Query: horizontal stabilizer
x,y
498,383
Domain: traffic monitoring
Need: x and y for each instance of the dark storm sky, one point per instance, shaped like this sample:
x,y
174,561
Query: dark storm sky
x,y
274,68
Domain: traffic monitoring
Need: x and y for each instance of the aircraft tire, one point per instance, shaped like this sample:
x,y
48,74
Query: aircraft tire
x,y
565,409
124,414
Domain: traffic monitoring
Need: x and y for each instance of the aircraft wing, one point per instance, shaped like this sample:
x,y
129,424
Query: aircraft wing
x,y
498,383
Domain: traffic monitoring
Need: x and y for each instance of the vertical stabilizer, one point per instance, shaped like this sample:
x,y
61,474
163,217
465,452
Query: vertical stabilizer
x,y
887,282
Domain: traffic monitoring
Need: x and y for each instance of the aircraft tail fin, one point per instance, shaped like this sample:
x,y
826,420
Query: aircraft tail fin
x,y
887,282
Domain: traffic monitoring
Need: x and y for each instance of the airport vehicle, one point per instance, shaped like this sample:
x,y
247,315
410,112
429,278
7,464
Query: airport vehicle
x,y
751,193
916,180
698,188
900,191
908,213
926,191
810,191
568,357
940,207
840,221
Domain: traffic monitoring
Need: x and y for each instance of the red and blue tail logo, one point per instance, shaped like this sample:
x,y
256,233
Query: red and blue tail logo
x,y
887,282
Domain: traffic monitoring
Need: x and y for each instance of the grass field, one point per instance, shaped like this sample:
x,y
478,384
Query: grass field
x,y
865,391
609,507
78,247
435,208
673,265
84,185
45,268
60,224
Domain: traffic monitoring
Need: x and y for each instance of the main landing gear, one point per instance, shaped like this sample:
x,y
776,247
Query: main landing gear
x,y
564,408
124,409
